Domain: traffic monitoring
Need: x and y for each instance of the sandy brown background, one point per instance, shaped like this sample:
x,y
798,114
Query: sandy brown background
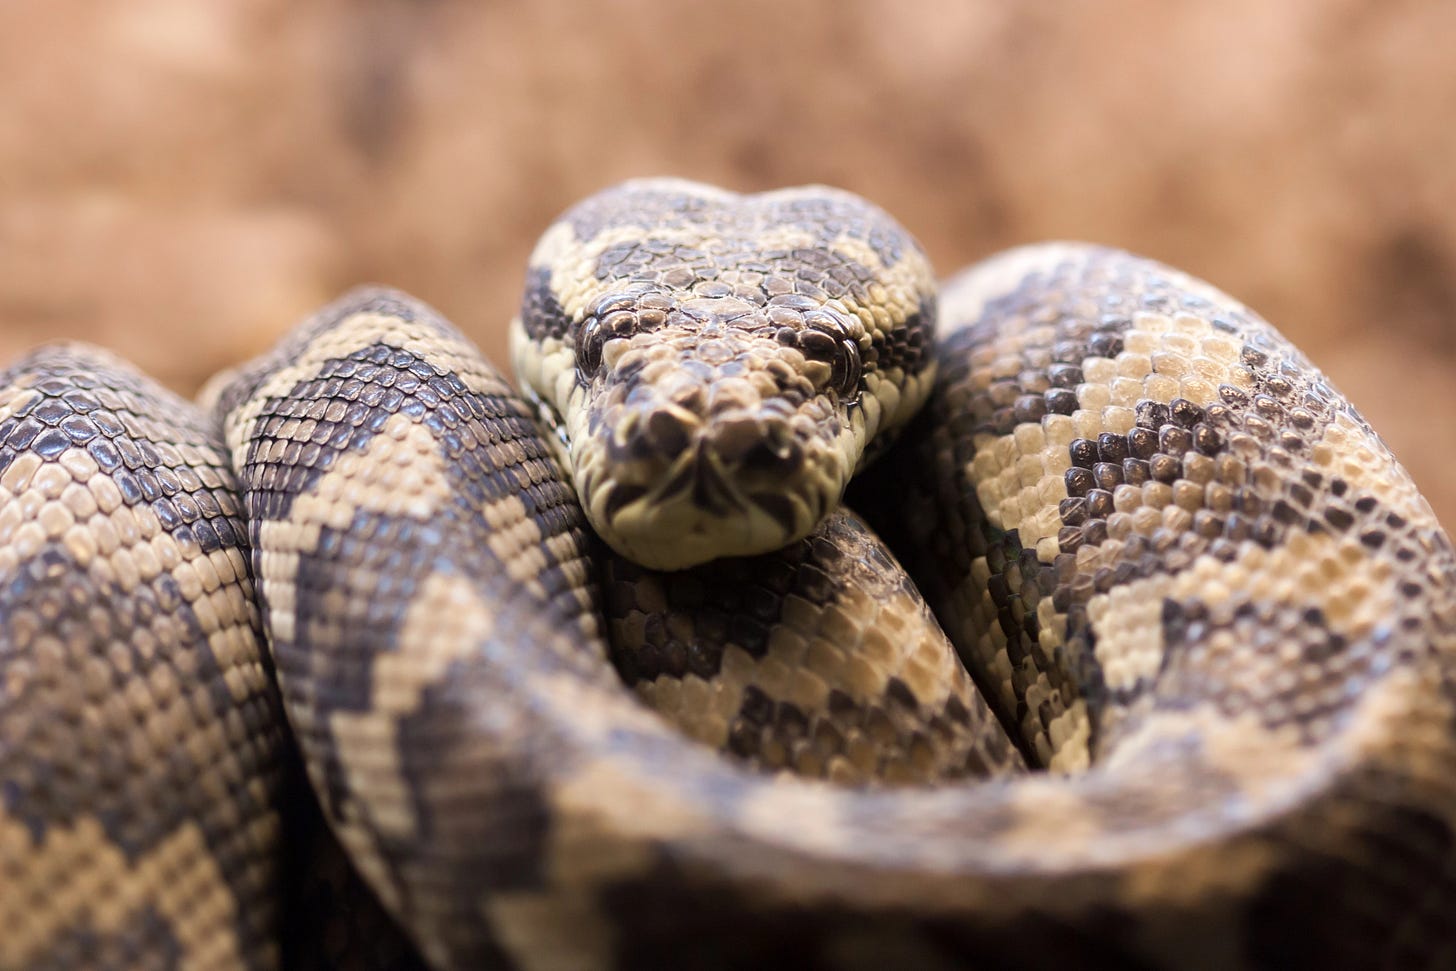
x,y
181,181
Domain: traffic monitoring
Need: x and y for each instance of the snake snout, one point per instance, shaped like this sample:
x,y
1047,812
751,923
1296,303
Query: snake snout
x,y
698,472
668,448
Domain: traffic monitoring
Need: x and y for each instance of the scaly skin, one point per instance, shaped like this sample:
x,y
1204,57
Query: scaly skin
x,y
720,365
1186,575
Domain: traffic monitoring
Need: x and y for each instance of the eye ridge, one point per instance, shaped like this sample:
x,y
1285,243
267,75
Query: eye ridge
x,y
824,337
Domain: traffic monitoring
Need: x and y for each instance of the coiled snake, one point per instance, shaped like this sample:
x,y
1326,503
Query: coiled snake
x,y
1199,711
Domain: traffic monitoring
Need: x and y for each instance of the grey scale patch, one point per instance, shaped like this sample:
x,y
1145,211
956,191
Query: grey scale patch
x,y
648,206
147,935
542,315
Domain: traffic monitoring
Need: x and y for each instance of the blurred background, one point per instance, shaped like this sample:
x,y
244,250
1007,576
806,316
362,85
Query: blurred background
x,y
183,181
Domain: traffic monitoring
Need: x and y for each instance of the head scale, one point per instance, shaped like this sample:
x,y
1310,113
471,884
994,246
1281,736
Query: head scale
x,y
719,365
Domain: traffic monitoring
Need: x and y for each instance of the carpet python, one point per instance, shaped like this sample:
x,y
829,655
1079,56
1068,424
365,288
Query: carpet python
x,y
599,673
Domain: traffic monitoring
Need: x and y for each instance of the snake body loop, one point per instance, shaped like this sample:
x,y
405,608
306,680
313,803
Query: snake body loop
x,y
141,744
1194,704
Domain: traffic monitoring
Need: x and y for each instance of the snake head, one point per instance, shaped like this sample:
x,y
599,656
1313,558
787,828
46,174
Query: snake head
x,y
719,365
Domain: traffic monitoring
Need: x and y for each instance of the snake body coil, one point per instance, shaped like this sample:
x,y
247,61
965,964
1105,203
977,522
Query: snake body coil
x,y
140,738
1185,576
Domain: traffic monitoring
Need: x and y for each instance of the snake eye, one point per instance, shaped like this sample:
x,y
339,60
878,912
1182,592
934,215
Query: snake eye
x,y
589,341
844,377
826,339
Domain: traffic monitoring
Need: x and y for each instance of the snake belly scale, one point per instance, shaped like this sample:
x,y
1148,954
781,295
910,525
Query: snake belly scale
x,y
1193,705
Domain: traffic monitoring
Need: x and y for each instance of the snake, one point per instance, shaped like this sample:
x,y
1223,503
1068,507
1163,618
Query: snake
x,y
793,610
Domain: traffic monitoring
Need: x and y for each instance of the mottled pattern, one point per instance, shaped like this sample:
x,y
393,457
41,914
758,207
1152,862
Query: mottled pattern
x,y
397,493
1185,574
718,366
1125,468
1248,715
139,732
820,658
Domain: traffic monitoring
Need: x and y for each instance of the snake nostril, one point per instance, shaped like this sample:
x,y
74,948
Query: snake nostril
x,y
668,431
767,456
756,446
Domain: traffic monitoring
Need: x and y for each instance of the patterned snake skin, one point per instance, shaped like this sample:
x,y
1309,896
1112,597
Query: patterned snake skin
x,y
1181,692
